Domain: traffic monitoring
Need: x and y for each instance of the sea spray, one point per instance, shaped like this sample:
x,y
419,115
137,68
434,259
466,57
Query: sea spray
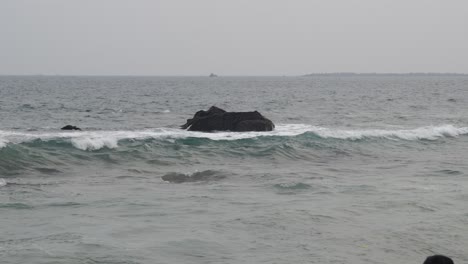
x,y
95,140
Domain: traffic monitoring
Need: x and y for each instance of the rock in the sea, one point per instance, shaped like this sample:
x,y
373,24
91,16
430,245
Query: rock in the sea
x,y
216,119
70,127
207,175
438,259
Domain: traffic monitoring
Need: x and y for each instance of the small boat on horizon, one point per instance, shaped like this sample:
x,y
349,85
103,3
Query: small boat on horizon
x,y
213,75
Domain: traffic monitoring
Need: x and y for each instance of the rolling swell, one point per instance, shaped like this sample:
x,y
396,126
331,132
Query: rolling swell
x,y
52,152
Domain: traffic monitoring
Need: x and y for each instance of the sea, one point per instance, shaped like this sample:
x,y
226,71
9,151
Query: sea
x,y
359,169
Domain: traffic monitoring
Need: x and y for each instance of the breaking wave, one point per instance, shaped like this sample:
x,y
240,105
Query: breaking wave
x,y
95,140
53,152
421,133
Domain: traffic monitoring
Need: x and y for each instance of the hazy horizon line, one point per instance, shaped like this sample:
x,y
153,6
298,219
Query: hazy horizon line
x,y
240,75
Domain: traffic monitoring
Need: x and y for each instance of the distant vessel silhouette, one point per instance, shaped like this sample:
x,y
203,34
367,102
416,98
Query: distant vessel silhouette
x,y
213,75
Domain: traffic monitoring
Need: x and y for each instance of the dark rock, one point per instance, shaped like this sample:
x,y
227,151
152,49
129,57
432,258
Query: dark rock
x,y
216,119
206,175
438,259
70,127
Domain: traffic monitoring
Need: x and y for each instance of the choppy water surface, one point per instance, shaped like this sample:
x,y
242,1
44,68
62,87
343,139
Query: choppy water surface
x,y
358,170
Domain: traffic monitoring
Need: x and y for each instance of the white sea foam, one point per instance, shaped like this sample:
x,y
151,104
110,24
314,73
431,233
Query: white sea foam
x,y
94,140
3,143
427,133
94,143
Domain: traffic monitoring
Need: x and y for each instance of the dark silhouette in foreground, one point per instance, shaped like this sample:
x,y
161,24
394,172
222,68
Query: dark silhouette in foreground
x,y
70,127
216,119
438,259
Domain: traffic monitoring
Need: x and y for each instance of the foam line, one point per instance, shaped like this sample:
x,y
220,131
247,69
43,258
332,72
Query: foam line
x,y
94,140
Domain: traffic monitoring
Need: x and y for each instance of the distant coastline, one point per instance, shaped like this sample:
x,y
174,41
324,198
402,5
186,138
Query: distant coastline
x,y
385,74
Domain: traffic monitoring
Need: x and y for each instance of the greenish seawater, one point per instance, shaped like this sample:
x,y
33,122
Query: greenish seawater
x,y
360,169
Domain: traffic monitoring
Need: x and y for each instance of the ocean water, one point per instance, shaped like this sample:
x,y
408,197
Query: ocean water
x,y
360,169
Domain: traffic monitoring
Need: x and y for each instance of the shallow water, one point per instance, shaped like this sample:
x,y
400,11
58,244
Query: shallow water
x,y
358,170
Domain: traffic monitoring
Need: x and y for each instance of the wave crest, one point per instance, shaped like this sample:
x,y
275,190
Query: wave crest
x,y
95,140
422,133
94,143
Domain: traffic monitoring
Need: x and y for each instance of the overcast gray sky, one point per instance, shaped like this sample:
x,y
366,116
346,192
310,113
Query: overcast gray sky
x,y
232,37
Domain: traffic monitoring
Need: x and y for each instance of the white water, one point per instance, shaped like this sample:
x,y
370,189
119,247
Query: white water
x,y
3,143
427,133
94,140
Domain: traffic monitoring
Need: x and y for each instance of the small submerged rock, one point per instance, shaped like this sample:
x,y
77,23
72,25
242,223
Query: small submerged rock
x,y
70,127
45,170
206,175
